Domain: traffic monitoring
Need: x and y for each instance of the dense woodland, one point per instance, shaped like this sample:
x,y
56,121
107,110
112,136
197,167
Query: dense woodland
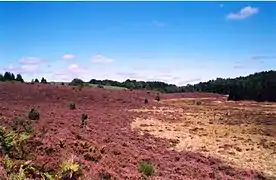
x,y
259,86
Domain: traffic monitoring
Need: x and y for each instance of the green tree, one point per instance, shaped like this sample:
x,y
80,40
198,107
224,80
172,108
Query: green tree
x,y
19,78
43,80
8,76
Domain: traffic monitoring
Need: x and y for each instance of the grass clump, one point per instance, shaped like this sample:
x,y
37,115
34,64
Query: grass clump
x,y
12,143
70,170
33,114
146,168
84,120
72,106
22,125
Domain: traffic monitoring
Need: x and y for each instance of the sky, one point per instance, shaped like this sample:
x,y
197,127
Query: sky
x,y
174,42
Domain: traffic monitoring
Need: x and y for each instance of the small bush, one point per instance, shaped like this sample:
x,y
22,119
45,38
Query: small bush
x,y
72,106
81,87
100,86
157,97
12,143
104,175
70,170
146,168
34,114
146,101
83,120
198,103
22,125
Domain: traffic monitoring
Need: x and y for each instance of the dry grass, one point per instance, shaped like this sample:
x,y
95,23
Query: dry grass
x,y
241,133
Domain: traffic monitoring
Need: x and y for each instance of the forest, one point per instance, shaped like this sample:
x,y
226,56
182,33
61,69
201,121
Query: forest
x,y
259,86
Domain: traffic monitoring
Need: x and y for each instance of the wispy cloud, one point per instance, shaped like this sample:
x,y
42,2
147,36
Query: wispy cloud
x,y
31,60
68,56
243,13
159,23
263,57
75,68
101,59
24,69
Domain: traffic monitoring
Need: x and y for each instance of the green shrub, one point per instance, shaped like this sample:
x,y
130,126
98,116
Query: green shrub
x,y
34,114
157,97
72,106
83,120
146,168
22,125
12,142
70,170
146,101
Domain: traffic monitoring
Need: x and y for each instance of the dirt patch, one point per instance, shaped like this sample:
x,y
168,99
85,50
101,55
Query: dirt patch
x,y
216,129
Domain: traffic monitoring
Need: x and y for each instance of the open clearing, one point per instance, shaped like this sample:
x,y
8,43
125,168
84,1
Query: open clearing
x,y
109,145
243,134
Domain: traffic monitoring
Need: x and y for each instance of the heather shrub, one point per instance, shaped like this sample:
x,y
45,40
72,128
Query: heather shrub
x,y
83,120
72,106
34,114
146,101
157,97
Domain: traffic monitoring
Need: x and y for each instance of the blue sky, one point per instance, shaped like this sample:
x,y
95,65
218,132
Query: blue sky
x,y
175,42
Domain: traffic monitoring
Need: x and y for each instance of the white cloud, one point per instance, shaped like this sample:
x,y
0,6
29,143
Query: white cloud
x,y
31,60
68,56
24,69
243,13
101,59
263,57
75,68
29,68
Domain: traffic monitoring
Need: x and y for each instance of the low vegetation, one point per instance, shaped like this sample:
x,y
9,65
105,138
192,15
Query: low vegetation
x,y
22,145
84,120
33,114
146,168
70,170
72,106
146,101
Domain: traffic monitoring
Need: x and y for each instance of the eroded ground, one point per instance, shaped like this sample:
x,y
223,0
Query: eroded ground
x,y
241,133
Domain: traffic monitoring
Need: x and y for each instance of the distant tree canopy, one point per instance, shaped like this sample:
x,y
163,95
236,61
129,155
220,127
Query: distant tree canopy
x,y
76,82
43,80
19,78
8,76
259,86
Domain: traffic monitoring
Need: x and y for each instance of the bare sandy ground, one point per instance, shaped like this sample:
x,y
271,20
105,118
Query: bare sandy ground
x,y
241,133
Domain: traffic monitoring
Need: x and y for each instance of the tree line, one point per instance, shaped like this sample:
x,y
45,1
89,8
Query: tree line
x,y
8,76
259,86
